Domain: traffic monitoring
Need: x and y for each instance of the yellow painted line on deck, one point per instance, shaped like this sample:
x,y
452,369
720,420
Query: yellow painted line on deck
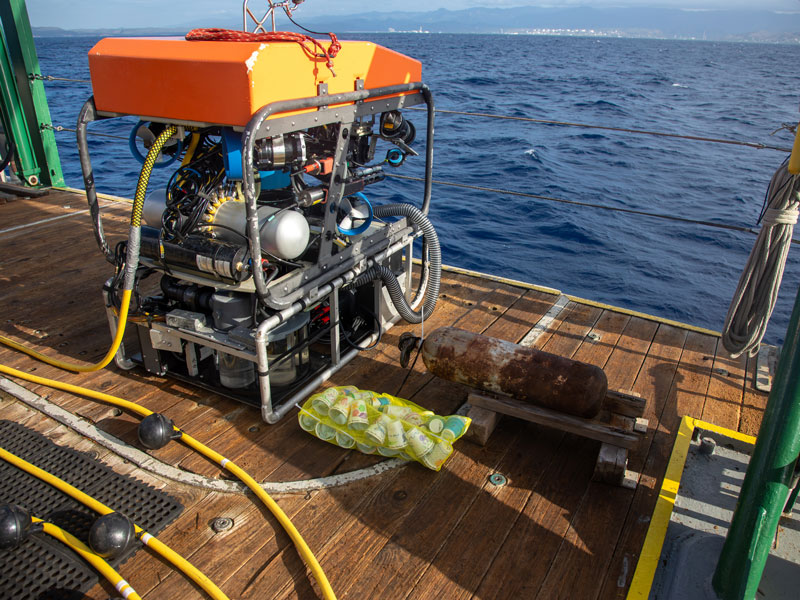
x,y
654,541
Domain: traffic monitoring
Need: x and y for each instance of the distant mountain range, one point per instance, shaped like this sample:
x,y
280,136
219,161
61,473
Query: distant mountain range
x,y
744,25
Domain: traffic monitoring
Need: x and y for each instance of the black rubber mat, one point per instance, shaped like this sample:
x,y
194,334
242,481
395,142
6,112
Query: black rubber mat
x,y
42,568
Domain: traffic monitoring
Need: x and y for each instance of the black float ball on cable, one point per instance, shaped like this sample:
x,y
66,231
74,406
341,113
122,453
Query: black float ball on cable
x,y
15,525
156,431
111,535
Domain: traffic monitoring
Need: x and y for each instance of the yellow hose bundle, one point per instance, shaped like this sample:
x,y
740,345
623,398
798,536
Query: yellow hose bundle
x,y
131,265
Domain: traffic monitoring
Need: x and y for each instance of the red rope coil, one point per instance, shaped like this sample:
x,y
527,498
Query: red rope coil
x,y
311,46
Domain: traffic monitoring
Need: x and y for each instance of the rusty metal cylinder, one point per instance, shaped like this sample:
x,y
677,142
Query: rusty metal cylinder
x,y
526,374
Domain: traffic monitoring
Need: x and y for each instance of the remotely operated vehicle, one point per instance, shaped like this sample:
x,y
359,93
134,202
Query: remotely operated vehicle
x,y
273,267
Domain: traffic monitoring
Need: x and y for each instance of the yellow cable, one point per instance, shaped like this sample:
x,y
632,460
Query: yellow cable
x,y
187,158
299,543
272,506
150,541
136,220
106,570
302,548
123,315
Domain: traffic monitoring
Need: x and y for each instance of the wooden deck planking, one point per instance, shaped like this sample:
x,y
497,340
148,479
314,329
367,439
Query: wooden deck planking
x,y
572,323
723,405
524,469
553,503
753,402
490,303
690,383
550,532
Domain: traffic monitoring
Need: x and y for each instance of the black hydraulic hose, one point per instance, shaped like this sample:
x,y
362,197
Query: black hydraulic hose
x,y
251,132
9,155
430,282
426,199
87,115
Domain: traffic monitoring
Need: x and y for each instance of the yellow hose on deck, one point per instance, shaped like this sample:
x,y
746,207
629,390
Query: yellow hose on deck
x,y
151,542
302,548
106,570
136,222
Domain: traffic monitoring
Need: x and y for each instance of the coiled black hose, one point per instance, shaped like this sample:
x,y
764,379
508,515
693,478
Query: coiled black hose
x,y
432,272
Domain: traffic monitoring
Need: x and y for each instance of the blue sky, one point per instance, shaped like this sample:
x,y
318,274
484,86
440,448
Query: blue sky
x,y
154,13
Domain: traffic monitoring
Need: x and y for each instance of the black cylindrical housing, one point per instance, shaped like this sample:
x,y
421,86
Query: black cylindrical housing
x,y
197,254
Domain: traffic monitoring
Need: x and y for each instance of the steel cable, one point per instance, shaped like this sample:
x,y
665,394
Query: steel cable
x,y
695,138
631,211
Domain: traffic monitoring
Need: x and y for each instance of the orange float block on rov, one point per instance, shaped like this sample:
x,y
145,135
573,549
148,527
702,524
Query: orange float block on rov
x,y
225,83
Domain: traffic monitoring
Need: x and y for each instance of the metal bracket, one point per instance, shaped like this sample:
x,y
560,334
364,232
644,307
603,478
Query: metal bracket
x,y
288,6
322,90
765,367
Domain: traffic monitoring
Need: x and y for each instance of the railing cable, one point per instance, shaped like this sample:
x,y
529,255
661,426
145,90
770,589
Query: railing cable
x,y
696,138
631,211
38,77
60,128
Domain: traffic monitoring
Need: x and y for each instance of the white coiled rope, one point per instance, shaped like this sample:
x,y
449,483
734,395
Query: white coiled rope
x,y
755,296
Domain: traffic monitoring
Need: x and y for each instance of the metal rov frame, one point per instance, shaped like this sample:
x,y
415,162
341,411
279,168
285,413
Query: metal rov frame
x,y
301,288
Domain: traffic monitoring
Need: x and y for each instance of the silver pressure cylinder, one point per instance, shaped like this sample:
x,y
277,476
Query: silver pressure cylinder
x,y
284,233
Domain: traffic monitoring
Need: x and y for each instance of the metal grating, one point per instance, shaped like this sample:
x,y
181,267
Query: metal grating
x,y
42,568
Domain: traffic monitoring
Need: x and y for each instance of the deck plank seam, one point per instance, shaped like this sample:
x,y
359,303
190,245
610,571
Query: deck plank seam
x,y
590,326
455,525
588,489
420,391
532,494
646,453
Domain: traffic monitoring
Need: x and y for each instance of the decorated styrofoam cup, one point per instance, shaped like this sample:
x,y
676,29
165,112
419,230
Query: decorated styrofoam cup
x,y
378,402
350,390
454,427
344,440
420,443
325,432
414,418
394,411
388,452
340,409
438,455
324,400
357,420
365,448
307,422
376,433
435,424
396,435
364,395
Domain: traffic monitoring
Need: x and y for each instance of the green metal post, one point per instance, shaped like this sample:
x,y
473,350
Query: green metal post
x,y
18,38
14,119
769,475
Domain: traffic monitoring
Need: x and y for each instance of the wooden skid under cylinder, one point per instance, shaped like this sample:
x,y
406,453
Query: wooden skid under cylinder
x,y
618,427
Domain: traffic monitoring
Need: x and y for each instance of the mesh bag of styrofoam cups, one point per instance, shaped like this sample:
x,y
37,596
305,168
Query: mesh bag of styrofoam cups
x,y
379,423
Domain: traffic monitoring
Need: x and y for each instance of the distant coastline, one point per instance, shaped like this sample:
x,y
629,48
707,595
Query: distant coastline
x,y
759,37
656,23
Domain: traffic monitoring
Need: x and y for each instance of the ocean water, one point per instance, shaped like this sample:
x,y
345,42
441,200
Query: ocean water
x,y
675,270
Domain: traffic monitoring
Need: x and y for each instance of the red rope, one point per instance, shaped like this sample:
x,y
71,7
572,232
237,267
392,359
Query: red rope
x,y
311,46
